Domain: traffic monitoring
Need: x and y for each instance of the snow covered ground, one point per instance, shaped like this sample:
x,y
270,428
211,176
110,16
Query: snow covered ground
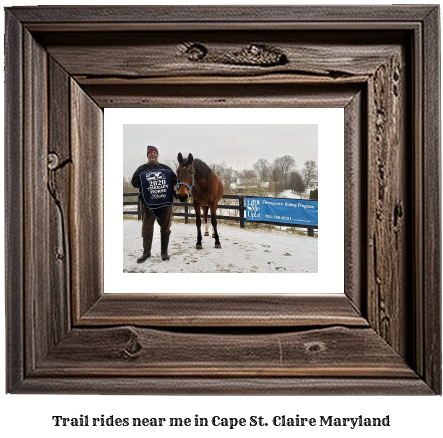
x,y
243,250
289,194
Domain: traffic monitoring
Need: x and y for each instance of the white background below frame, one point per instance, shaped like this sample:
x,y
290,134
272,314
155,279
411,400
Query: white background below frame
x,y
330,276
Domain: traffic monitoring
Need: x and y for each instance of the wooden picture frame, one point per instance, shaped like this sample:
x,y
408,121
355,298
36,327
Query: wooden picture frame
x,y
65,64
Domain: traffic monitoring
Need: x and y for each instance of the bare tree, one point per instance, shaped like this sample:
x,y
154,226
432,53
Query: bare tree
x,y
296,183
248,174
218,168
225,173
309,172
276,183
247,181
127,186
284,165
230,178
263,168
172,163
275,188
276,174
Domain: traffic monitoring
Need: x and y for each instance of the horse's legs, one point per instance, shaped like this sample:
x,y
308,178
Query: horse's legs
x,y
205,213
213,208
207,225
198,222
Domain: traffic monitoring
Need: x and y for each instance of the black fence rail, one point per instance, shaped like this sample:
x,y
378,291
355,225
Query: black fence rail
x,y
187,205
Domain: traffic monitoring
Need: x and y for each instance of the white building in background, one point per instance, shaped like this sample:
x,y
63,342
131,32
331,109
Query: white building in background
x,y
313,185
247,184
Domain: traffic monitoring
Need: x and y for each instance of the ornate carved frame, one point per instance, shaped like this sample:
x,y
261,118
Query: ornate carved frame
x,y
65,64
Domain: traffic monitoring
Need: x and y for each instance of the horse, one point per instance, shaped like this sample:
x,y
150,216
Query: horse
x,y
197,179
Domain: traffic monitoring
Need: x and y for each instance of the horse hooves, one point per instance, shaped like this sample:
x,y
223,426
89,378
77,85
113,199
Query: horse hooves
x,y
206,233
198,247
217,245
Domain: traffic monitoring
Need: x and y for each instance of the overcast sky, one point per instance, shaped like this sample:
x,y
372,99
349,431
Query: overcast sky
x,y
239,146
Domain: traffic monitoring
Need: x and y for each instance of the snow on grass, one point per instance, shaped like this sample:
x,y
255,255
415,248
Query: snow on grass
x,y
243,250
289,194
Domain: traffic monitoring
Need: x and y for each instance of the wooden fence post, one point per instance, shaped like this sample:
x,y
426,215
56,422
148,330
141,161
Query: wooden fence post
x,y
241,203
310,232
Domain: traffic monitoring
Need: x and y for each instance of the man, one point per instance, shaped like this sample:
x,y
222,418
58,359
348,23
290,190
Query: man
x,y
148,219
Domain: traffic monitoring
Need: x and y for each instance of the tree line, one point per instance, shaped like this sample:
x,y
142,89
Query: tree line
x,y
264,179
267,178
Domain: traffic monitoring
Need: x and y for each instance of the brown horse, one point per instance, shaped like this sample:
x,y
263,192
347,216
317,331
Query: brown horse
x,y
197,179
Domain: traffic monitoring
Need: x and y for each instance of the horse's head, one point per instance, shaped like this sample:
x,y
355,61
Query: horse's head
x,y
185,174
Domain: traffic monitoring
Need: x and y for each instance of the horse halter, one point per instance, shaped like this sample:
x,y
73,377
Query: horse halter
x,y
189,187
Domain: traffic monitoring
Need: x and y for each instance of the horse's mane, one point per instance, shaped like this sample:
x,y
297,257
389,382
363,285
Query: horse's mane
x,y
202,170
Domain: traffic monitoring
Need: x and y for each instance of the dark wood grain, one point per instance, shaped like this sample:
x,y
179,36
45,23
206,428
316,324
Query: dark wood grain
x,y
388,203
64,65
14,239
355,188
225,14
226,96
166,55
288,386
59,166
431,316
36,254
129,351
236,310
86,197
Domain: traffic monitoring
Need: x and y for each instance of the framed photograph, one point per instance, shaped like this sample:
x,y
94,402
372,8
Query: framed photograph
x,y
273,158
378,331
267,142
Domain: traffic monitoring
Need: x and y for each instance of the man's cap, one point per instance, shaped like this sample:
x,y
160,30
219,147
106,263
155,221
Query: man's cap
x,y
151,149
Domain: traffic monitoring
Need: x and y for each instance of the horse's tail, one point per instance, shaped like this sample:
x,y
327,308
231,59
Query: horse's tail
x,y
220,188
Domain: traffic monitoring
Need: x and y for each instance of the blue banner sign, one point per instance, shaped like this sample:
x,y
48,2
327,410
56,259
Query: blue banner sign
x,y
285,211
